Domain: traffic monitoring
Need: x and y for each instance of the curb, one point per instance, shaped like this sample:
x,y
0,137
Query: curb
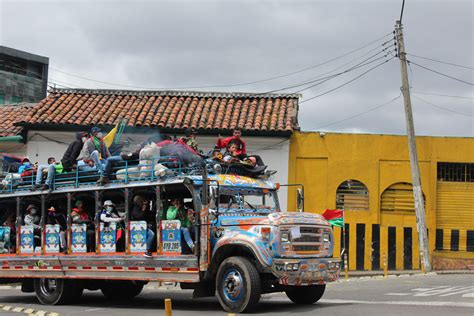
x,y
27,311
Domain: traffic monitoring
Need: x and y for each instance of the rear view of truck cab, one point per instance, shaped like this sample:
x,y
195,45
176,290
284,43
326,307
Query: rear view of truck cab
x,y
258,249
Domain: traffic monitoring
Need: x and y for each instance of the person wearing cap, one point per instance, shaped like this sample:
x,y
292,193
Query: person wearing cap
x,y
26,165
56,218
190,140
109,215
32,218
95,150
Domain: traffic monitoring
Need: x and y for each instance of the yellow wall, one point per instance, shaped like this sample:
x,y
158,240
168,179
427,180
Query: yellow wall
x,y
322,163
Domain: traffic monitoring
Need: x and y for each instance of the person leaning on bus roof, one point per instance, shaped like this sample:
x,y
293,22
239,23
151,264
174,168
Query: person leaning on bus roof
x,y
69,160
95,149
142,212
177,211
80,216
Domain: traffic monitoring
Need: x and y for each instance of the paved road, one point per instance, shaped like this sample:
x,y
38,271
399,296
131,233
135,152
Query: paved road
x,y
405,295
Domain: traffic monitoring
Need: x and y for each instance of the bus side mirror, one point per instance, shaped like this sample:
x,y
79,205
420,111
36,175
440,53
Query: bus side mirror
x,y
300,200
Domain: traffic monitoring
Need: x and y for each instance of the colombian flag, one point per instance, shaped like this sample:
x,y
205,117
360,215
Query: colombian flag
x,y
334,217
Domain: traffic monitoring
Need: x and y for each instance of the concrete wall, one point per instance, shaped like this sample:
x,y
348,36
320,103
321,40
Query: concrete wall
x,y
323,162
274,151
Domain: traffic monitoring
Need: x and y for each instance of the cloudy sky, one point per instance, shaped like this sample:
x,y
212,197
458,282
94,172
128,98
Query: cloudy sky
x,y
239,45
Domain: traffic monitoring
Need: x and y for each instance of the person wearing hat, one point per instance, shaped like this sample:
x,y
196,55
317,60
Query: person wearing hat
x,y
109,215
26,165
56,218
95,150
32,218
190,140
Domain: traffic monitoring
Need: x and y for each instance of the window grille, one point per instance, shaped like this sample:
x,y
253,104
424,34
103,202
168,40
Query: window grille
x,y
352,195
455,172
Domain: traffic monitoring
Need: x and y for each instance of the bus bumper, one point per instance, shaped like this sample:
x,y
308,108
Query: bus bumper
x,y
306,271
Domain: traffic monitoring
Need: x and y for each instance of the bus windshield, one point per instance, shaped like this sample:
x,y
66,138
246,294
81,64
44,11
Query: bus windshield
x,y
245,199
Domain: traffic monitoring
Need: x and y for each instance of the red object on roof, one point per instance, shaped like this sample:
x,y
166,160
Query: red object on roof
x,y
168,109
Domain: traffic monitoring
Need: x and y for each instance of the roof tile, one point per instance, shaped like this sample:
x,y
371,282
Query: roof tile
x,y
170,109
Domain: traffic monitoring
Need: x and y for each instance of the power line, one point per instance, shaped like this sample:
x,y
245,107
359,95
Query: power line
x,y
347,82
440,73
442,95
359,114
401,11
443,108
235,84
324,79
441,62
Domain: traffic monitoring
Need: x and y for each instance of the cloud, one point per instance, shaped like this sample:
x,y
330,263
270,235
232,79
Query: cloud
x,y
175,44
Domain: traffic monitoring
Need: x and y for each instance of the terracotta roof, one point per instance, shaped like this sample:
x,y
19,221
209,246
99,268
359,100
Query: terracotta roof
x,y
10,114
168,110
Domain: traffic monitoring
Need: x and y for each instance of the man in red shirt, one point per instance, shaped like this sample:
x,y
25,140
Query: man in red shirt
x,y
235,138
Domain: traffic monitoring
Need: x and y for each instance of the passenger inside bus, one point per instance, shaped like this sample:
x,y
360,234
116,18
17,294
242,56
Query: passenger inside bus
x,y
32,218
178,212
58,218
143,211
80,216
9,241
109,214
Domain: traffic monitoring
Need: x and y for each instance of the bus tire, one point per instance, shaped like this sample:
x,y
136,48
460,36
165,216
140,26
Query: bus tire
x,y
305,295
121,290
55,291
238,285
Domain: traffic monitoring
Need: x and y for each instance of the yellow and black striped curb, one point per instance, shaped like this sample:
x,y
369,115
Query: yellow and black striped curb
x,y
27,311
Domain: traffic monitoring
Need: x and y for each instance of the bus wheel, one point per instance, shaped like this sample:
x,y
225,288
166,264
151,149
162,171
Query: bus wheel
x,y
121,290
305,295
238,285
55,291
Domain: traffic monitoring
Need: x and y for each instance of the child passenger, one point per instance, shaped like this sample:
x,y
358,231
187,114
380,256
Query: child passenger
x,y
177,211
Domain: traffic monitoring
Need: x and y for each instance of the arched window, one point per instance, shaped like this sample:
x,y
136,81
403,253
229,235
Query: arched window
x,y
352,195
398,198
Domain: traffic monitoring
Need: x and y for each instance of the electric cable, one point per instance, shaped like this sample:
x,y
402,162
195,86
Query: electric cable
x,y
235,84
357,115
441,62
347,82
443,108
442,95
441,74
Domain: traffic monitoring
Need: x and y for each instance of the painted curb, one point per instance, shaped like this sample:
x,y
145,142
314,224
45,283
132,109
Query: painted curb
x,y
26,310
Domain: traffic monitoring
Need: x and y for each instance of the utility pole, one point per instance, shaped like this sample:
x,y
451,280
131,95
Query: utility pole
x,y
415,172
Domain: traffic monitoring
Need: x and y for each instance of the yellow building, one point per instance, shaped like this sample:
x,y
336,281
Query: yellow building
x,y
369,177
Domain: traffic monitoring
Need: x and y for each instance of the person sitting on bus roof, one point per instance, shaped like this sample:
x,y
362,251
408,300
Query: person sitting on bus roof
x,y
237,139
69,160
142,212
26,167
190,140
95,149
109,214
177,211
56,218
51,169
80,216
231,155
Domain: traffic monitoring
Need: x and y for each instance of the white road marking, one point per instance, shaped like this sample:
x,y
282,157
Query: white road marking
x,y
468,295
415,303
442,290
